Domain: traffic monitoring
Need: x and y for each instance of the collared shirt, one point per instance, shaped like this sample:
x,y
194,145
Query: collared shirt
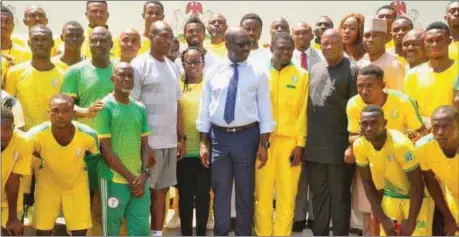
x,y
156,85
253,102
261,59
296,57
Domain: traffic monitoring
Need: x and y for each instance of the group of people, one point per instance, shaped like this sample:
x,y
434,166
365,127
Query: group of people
x,y
296,132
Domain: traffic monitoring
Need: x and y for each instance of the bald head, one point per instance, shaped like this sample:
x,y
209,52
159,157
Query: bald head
x,y
416,34
99,30
332,33
234,32
446,112
302,35
34,15
129,32
302,24
159,26
121,66
43,29
61,99
279,24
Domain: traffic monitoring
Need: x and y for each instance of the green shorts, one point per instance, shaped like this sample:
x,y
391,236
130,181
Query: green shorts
x,y
118,202
92,163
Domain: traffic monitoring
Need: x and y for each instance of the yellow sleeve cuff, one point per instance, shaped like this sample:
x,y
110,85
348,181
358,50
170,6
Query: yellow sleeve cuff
x,y
301,142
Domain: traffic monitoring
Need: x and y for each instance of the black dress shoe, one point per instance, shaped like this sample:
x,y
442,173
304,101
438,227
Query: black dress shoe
x,y
233,224
298,226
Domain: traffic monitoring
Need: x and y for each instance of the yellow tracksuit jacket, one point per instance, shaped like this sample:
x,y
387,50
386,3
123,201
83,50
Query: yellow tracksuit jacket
x,y
289,93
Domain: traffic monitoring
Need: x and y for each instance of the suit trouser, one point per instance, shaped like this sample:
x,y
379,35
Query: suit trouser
x,y
277,174
303,202
233,157
331,187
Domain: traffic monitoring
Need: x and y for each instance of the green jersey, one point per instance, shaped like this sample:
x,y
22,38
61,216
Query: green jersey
x,y
87,84
125,125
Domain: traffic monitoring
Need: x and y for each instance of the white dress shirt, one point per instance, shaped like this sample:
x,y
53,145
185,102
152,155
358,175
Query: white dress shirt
x,y
253,103
261,59
296,57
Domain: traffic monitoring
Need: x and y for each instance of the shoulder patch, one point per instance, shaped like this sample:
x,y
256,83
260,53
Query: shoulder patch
x,y
408,156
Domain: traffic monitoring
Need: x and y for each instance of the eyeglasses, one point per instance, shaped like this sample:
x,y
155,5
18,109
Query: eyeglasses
x,y
191,63
242,44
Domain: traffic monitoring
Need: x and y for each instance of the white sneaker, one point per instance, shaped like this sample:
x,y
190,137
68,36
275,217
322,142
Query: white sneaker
x,y
210,222
174,222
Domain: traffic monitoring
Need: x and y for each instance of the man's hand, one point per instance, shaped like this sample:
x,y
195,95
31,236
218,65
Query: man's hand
x,y
151,158
181,149
408,227
349,155
297,155
94,109
450,227
262,155
138,186
388,227
14,227
204,155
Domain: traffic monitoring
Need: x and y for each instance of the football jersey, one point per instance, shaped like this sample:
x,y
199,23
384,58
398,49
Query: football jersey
x,y
431,157
390,164
16,158
33,89
62,167
399,110
431,89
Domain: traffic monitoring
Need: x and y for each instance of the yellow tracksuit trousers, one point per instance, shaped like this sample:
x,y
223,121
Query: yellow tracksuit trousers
x,y
277,175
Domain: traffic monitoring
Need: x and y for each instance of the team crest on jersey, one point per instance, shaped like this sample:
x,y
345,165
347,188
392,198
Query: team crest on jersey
x,y
113,202
408,156
294,79
55,83
78,151
394,114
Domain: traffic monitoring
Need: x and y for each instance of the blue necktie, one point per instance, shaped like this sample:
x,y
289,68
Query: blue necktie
x,y
230,104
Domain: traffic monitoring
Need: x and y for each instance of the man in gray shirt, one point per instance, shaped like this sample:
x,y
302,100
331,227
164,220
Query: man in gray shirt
x,y
332,84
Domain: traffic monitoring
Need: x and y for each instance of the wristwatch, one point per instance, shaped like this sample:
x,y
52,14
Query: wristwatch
x,y
180,136
146,171
266,144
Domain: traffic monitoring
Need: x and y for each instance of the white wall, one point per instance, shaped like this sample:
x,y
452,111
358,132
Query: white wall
x,y
125,14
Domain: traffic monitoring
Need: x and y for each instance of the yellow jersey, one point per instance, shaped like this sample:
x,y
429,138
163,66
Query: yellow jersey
x,y
33,89
316,46
189,102
289,96
402,60
16,158
18,53
63,167
431,89
453,50
431,157
389,165
6,63
218,49
399,111
390,45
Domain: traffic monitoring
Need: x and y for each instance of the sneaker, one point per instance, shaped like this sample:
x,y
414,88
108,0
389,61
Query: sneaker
x,y
299,226
210,222
174,222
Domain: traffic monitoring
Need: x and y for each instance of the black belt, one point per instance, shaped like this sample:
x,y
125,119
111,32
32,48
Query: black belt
x,y
236,129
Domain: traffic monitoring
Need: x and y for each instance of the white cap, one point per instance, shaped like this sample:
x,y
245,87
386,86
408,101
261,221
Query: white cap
x,y
374,24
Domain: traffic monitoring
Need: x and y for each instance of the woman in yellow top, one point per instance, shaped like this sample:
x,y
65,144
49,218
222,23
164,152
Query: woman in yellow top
x,y
193,179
